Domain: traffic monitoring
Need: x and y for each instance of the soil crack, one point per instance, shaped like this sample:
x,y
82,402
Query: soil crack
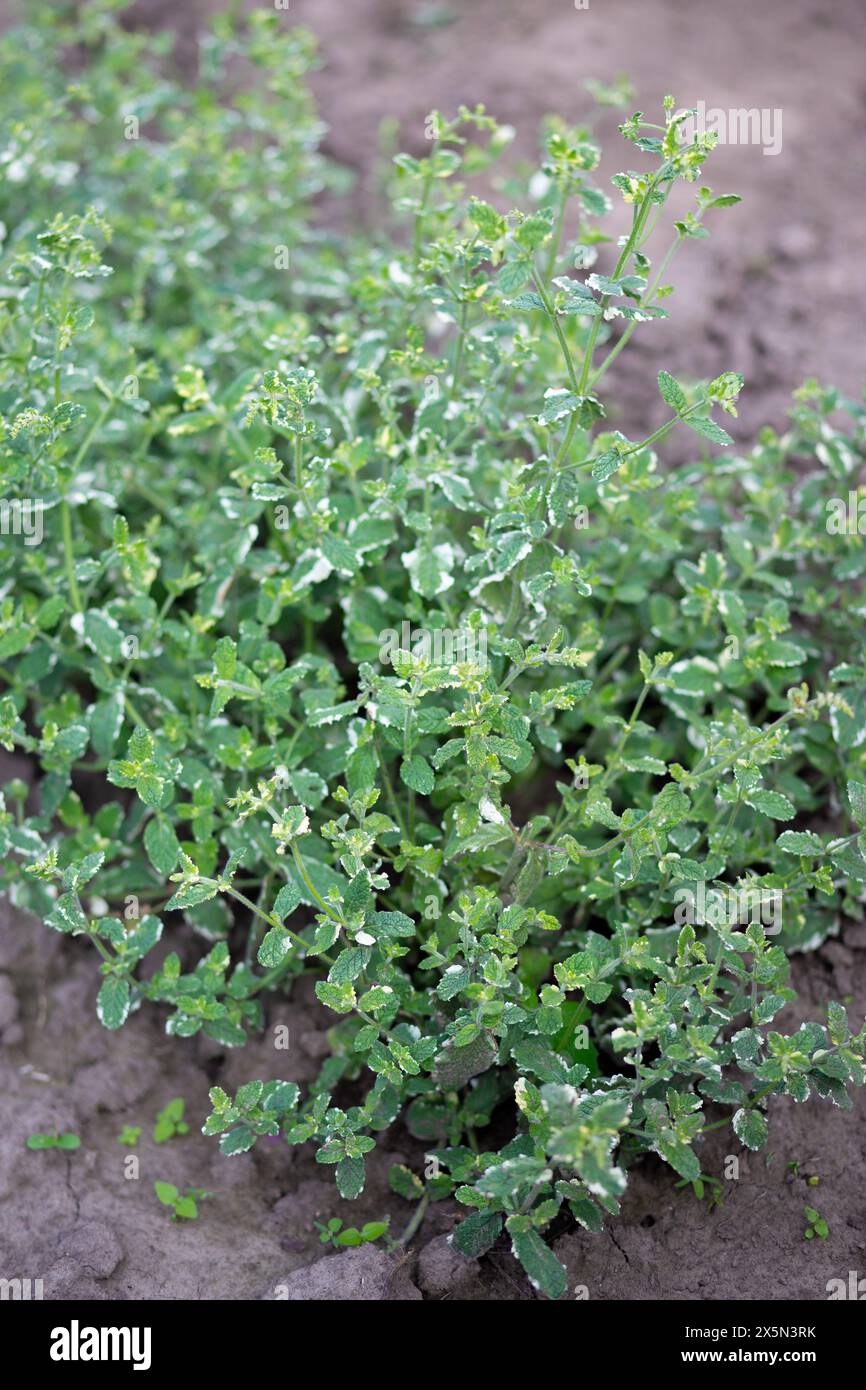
x,y
618,1246
71,1190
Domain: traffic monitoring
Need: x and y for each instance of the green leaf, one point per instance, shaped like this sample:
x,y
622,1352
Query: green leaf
x,y
103,634
512,275
41,1141
528,300
350,1175
237,1141
800,842
339,997
605,464
405,1183
417,773
680,1156
287,901
772,804
66,915
373,1230
112,1003
558,404
543,1269
191,894
857,798
474,1236
456,1065
708,428
672,393
105,720
750,1127
161,845
358,893
837,1020
274,947
281,1096
83,871
849,859
348,965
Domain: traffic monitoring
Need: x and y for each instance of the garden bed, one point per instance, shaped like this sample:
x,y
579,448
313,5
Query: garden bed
x,y
91,1233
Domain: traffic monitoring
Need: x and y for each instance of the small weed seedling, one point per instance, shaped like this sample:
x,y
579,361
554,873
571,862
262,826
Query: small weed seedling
x,y
703,1187
67,1142
184,1205
334,1233
129,1136
816,1225
170,1122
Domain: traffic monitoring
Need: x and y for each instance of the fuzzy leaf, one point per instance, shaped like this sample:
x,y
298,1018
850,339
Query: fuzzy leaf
x,y
112,1004
543,1269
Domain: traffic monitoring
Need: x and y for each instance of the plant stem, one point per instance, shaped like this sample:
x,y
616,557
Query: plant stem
x,y
647,299
557,328
417,1217
68,556
637,227
557,234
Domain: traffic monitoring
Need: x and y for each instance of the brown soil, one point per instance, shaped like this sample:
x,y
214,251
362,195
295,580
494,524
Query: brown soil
x,y
91,1229
774,293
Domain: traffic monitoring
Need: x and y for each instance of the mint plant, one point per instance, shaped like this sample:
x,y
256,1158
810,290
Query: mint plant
x,y
396,662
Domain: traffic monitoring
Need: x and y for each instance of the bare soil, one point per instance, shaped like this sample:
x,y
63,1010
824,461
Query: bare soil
x,y
776,294
89,1225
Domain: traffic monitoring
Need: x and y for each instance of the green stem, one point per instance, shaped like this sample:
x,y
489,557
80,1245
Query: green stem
x,y
302,870
69,561
698,775
557,328
557,234
278,970
750,1105
626,733
407,753
389,789
650,439
637,228
630,328
417,1218
419,217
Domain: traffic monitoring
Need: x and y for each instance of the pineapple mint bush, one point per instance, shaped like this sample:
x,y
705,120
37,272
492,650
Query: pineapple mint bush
x,y
395,663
